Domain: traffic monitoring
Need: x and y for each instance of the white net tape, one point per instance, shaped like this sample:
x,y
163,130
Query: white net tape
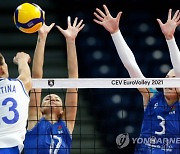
x,y
107,83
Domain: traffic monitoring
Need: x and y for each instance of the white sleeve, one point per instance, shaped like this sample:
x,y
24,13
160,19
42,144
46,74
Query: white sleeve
x,y
126,56
174,55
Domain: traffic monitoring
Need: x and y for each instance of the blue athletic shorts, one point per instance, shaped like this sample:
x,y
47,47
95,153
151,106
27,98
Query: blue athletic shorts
x,y
14,150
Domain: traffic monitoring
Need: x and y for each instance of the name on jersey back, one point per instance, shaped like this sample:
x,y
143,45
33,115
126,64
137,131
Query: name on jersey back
x,y
7,89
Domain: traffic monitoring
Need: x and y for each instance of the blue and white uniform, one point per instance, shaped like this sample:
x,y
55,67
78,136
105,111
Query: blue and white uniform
x,y
48,138
14,104
160,132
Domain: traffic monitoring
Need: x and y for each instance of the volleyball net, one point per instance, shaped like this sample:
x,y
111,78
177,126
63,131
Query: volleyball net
x,y
109,111
107,83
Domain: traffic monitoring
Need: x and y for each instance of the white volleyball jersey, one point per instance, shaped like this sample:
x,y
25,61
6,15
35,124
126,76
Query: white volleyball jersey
x,y
14,103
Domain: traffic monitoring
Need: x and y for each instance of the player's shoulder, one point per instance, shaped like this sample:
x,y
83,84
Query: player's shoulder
x,y
39,126
8,79
155,99
11,80
156,95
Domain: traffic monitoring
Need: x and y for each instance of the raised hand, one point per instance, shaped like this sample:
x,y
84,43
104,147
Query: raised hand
x,y
72,29
106,20
44,30
21,56
169,27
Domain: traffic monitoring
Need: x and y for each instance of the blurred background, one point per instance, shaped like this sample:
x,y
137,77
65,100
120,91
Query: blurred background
x,y
103,114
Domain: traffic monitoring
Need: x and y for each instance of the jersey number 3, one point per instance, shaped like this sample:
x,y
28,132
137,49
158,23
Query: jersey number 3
x,y
162,124
12,108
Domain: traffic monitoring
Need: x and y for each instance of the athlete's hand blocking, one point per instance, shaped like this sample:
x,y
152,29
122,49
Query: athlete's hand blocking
x,y
168,28
44,30
38,59
71,100
73,29
106,20
22,59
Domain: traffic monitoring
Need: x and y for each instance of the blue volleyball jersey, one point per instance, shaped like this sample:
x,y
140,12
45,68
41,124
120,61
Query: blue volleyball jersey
x,y
160,132
48,138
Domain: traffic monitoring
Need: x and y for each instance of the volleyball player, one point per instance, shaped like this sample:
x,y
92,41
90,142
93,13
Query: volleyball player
x,y
50,126
14,103
161,123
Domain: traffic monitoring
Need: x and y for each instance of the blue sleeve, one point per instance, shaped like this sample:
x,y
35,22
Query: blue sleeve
x,y
152,90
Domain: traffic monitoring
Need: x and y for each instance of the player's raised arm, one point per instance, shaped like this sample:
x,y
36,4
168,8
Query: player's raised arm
x,y
168,29
112,26
126,55
70,35
37,72
22,59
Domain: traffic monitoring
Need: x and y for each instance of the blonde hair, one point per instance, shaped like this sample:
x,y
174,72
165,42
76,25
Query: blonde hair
x,y
1,59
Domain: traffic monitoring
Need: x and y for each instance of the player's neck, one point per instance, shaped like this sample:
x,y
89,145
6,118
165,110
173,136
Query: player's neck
x,y
170,101
52,118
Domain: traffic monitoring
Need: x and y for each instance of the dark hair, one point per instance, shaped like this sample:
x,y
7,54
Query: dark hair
x,y
1,59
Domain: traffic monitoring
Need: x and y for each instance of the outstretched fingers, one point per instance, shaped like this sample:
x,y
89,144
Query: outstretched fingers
x,y
119,16
51,26
97,21
98,16
100,12
69,21
59,28
75,22
175,15
178,20
79,25
160,22
169,14
106,10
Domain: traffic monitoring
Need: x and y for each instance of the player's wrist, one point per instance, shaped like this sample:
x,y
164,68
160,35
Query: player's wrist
x,y
116,34
42,35
169,37
70,40
114,31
